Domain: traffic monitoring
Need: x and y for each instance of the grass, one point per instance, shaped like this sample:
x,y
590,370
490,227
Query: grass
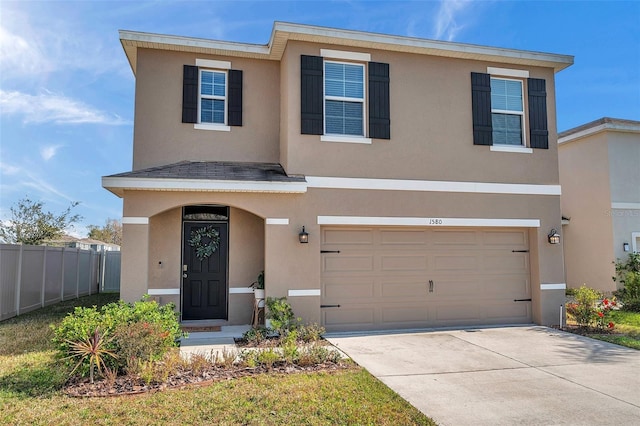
x,y
31,383
626,330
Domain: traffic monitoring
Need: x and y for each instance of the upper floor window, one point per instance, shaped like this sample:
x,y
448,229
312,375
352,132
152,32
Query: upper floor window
x,y
503,111
507,111
213,96
344,98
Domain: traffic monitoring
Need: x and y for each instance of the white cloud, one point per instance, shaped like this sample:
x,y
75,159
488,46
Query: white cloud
x,y
47,152
19,56
49,107
8,169
447,23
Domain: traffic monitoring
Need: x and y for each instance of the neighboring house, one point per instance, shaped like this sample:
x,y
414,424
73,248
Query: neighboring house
x,y
600,178
424,172
83,243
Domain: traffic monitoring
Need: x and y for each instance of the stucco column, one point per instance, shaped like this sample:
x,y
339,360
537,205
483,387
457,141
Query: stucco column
x,y
134,273
292,269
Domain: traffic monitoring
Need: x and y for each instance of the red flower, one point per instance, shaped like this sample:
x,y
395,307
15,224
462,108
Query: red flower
x,y
606,302
600,314
611,325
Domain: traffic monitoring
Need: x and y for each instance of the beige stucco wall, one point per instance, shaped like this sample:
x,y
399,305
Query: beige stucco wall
x,y
290,265
588,238
431,127
161,138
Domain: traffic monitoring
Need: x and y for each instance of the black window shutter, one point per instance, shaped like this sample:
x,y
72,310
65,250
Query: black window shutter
x,y
234,109
538,129
311,95
379,114
481,107
190,94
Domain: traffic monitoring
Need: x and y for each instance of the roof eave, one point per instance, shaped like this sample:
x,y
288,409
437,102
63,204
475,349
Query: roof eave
x,y
282,32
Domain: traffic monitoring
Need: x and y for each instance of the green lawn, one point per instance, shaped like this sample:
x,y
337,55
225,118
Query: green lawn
x,y
31,382
626,331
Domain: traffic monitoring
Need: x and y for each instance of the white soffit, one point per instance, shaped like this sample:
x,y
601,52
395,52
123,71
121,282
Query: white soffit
x,y
282,32
117,185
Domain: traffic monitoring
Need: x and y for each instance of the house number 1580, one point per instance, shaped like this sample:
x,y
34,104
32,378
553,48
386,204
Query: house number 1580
x,y
435,221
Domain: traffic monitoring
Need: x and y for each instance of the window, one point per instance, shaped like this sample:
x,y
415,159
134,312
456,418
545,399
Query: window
x,y
213,95
332,97
507,112
498,114
344,98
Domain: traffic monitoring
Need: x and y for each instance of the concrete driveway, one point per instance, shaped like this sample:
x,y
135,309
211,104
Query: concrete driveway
x,y
526,375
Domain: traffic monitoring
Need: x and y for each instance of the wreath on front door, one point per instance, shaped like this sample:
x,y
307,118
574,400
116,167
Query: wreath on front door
x,y
205,240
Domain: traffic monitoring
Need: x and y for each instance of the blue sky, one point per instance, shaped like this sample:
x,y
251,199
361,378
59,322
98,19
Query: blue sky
x,y
67,91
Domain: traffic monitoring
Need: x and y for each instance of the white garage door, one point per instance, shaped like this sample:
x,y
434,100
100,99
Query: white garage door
x,y
387,278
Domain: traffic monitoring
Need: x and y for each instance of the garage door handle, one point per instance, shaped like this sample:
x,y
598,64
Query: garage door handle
x,y
430,286
522,300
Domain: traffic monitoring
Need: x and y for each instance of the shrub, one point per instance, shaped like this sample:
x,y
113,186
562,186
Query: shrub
x,y
628,274
583,310
268,357
317,354
289,345
141,342
280,313
92,350
113,320
310,332
255,336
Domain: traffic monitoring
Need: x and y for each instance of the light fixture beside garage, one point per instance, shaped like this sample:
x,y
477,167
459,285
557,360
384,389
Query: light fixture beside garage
x,y
625,246
554,237
303,236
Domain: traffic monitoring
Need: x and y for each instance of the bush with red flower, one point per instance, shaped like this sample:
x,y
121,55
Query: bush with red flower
x,y
589,309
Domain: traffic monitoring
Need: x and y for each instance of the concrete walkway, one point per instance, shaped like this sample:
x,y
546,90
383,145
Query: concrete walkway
x,y
211,343
504,376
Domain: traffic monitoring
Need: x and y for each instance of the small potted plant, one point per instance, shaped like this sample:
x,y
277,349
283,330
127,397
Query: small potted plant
x,y
258,289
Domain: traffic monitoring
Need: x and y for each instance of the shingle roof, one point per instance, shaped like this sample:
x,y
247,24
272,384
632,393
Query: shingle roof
x,y
216,170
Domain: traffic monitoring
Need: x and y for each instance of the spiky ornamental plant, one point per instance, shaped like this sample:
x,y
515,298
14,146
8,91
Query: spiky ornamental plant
x,y
92,348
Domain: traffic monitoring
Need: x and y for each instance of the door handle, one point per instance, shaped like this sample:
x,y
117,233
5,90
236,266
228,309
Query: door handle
x,y
184,275
430,286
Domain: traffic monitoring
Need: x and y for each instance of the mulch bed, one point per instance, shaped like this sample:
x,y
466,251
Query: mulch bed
x,y
130,385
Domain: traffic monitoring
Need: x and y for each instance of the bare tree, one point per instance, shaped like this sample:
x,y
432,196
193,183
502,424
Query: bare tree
x,y
30,224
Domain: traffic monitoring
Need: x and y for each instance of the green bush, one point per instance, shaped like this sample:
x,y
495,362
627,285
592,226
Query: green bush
x,y
112,320
628,274
584,309
280,313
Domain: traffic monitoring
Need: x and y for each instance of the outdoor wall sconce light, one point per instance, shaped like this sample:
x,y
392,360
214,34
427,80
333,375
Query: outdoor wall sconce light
x,y
625,246
303,236
554,237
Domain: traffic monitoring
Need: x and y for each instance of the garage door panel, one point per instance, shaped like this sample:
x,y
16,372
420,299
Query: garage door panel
x,y
507,286
362,263
455,262
506,262
505,238
398,287
403,237
349,316
447,288
403,262
461,312
509,312
347,288
404,315
464,238
348,237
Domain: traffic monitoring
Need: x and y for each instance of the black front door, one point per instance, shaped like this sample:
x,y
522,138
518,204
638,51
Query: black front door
x,y
204,282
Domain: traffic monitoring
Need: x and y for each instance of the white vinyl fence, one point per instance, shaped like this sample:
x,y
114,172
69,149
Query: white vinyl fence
x,y
32,277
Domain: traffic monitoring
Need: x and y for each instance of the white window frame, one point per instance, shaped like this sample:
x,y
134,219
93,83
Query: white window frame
x,y
213,66
336,137
512,148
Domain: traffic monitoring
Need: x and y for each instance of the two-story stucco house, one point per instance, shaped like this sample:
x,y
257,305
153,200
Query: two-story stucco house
x,y
423,173
600,177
